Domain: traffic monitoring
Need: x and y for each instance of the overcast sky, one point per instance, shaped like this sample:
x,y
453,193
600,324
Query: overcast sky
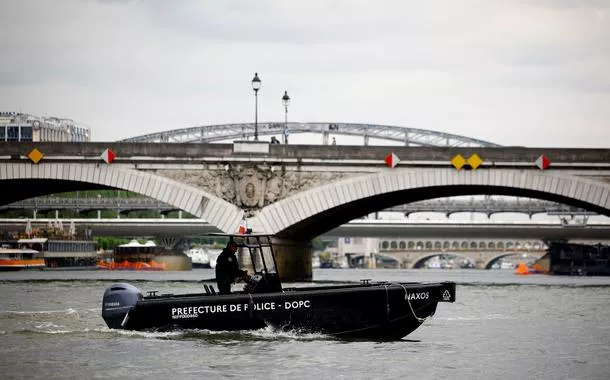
x,y
532,72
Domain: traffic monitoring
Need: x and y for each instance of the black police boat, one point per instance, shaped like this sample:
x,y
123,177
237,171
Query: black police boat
x,y
366,310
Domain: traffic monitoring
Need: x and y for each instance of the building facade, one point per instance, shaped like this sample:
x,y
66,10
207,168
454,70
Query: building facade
x,y
15,126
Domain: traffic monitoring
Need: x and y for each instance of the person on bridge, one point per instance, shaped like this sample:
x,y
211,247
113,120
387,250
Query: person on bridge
x,y
227,268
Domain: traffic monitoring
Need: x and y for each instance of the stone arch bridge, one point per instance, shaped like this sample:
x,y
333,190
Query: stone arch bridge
x,y
299,192
482,254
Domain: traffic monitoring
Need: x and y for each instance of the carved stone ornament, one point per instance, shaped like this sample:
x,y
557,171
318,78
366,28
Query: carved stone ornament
x,y
252,187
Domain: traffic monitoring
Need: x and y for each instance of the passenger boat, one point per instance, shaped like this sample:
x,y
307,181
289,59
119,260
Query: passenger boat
x,y
203,257
144,257
367,310
12,259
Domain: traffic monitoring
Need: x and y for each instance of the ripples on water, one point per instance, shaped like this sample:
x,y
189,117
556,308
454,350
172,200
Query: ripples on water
x,y
501,327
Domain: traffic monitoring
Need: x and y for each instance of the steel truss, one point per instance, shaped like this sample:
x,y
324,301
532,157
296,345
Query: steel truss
x,y
403,135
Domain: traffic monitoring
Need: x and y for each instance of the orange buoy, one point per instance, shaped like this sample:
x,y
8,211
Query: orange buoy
x,y
522,269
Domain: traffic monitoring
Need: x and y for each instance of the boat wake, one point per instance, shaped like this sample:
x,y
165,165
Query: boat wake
x,y
476,317
68,311
268,333
62,321
34,325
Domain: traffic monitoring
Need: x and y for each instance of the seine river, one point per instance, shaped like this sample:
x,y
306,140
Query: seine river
x,y
502,326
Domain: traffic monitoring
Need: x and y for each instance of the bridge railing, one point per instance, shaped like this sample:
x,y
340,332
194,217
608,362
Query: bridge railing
x,y
90,203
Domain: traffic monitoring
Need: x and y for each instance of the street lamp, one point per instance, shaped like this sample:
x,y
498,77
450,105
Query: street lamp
x,y
256,85
286,102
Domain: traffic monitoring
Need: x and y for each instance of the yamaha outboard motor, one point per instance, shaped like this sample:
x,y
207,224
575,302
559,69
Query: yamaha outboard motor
x,y
118,300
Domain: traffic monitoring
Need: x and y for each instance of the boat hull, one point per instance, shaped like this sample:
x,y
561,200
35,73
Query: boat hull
x,y
21,264
369,311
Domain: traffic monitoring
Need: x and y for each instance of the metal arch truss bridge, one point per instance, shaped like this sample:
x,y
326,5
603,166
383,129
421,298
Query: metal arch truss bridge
x,y
402,135
448,206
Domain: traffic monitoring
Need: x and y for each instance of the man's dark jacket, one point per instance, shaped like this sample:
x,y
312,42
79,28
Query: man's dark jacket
x,y
227,268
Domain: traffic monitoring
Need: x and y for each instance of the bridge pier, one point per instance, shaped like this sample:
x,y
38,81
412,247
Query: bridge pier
x,y
293,259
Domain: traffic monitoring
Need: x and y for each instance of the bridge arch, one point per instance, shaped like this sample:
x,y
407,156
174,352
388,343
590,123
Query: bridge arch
x,y
404,135
313,212
384,256
61,177
482,260
419,261
488,263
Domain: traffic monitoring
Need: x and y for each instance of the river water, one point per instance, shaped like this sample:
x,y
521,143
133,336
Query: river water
x,y
502,326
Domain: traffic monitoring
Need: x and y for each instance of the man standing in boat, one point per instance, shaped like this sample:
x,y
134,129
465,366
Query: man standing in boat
x,y
227,268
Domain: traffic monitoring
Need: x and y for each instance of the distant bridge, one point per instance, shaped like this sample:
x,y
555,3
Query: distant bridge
x,y
481,259
447,206
402,135
145,227
489,206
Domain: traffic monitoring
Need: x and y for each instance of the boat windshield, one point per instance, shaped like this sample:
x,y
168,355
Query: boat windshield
x,y
268,258
260,248
261,252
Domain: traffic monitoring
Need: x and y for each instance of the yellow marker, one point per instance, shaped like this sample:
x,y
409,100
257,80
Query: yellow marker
x,y
458,161
35,155
475,161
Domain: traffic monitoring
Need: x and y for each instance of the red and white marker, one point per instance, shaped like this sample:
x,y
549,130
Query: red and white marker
x,y
243,227
391,160
542,162
108,156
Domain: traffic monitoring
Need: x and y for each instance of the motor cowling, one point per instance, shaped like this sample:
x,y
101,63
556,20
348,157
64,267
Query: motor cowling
x,y
118,300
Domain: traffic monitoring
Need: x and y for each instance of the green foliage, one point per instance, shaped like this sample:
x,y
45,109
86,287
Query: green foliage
x,y
324,256
109,242
16,214
320,245
216,242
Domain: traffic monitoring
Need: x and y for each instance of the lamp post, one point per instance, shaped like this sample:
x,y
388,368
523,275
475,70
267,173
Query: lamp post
x,y
256,85
286,102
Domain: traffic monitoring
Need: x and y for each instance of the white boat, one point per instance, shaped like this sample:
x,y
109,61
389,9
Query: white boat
x,y
203,257
434,263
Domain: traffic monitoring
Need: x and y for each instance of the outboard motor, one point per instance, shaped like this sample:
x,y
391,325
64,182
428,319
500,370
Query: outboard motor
x,y
118,300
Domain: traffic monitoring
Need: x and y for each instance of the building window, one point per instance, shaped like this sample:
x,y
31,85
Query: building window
x,y
12,133
26,133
